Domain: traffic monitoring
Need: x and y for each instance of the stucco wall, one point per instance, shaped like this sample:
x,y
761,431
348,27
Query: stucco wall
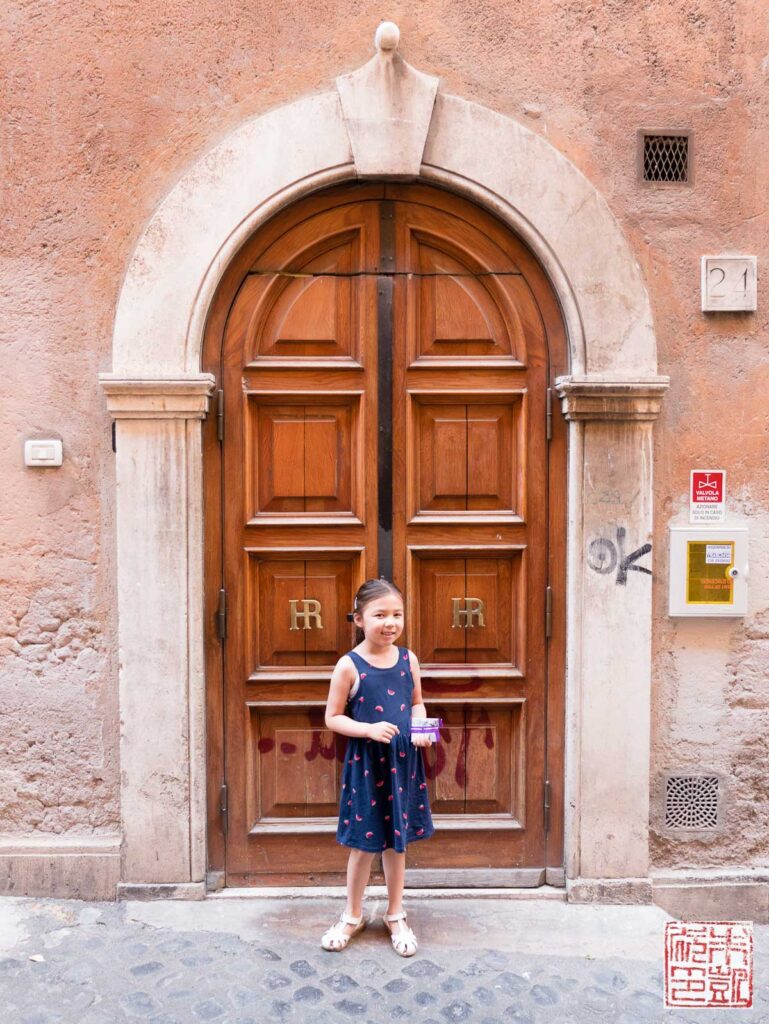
x,y
107,104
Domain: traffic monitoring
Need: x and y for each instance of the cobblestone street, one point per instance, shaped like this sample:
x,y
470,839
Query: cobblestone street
x,y
243,961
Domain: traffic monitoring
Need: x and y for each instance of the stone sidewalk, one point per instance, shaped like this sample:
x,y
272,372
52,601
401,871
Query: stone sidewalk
x,y
232,960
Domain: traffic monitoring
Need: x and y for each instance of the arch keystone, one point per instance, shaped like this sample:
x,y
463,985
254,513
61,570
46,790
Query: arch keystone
x,y
387,107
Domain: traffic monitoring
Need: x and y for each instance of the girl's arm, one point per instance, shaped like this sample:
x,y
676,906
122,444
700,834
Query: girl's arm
x,y
418,710
342,679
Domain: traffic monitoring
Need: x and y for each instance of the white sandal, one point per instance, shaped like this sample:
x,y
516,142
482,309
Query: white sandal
x,y
404,942
335,939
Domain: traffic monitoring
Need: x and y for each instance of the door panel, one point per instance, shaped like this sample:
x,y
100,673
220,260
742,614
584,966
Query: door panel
x,y
298,610
283,744
303,299
469,611
345,290
465,458
467,302
305,457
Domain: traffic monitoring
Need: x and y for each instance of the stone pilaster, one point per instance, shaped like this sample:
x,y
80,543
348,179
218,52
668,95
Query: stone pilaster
x,y
611,619
159,552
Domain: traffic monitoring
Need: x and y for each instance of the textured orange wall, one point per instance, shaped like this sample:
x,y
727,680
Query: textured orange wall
x,y
105,104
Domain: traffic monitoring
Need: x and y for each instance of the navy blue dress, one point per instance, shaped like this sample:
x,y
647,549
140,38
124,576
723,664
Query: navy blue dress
x,y
384,802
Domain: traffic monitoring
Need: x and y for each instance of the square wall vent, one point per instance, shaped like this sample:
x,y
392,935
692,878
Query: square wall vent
x,y
665,157
692,803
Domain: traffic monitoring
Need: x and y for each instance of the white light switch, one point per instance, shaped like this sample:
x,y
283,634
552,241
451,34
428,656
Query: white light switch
x,y
42,453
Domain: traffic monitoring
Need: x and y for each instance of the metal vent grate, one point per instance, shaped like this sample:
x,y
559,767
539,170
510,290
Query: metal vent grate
x,y
666,158
691,801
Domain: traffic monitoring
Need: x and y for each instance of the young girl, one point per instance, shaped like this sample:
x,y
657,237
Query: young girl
x,y
375,690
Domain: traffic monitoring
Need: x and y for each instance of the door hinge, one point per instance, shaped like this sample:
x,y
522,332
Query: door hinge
x,y
221,615
220,415
548,611
549,415
546,805
223,807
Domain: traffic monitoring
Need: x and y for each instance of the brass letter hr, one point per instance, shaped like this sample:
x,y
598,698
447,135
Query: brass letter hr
x,y
311,612
473,607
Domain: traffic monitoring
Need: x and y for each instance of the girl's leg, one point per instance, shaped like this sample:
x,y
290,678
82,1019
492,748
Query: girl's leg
x,y
358,872
394,866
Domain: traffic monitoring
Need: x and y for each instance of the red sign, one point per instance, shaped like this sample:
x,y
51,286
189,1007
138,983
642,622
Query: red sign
x,y
707,495
707,486
708,963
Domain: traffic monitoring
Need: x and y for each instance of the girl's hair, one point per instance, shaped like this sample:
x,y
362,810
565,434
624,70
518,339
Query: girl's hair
x,y
368,592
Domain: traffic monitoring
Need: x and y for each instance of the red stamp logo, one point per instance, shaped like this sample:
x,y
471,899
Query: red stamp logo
x,y
709,963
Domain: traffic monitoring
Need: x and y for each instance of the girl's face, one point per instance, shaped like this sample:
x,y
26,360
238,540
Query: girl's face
x,y
382,619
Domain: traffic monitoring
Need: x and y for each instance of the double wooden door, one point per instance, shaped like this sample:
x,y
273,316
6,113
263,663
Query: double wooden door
x,y
384,355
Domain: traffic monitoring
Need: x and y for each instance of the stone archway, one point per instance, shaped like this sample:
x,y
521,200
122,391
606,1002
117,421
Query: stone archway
x,y
384,120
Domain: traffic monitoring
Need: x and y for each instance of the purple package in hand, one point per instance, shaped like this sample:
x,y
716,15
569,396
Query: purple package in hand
x,y
427,727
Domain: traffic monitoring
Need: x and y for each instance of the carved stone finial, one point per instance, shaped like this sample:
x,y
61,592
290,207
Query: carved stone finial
x,y
387,36
387,106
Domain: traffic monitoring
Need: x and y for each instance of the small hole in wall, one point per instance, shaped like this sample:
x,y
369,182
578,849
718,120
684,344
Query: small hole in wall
x,y
665,157
691,801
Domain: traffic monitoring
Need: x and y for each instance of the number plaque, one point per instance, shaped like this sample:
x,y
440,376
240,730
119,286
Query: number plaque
x,y
728,283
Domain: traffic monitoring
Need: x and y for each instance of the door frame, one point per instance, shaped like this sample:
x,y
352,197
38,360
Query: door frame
x,y
159,398
555,570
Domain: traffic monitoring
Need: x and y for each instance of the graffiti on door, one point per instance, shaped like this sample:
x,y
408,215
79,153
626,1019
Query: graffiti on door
x,y
434,766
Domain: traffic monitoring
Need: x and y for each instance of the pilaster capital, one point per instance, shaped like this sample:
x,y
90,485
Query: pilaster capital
x,y
165,398
611,398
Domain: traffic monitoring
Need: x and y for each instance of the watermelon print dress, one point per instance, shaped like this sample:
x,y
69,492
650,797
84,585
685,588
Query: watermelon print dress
x,y
384,802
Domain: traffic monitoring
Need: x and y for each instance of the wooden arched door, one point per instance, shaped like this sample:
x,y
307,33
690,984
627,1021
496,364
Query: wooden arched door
x,y
384,355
